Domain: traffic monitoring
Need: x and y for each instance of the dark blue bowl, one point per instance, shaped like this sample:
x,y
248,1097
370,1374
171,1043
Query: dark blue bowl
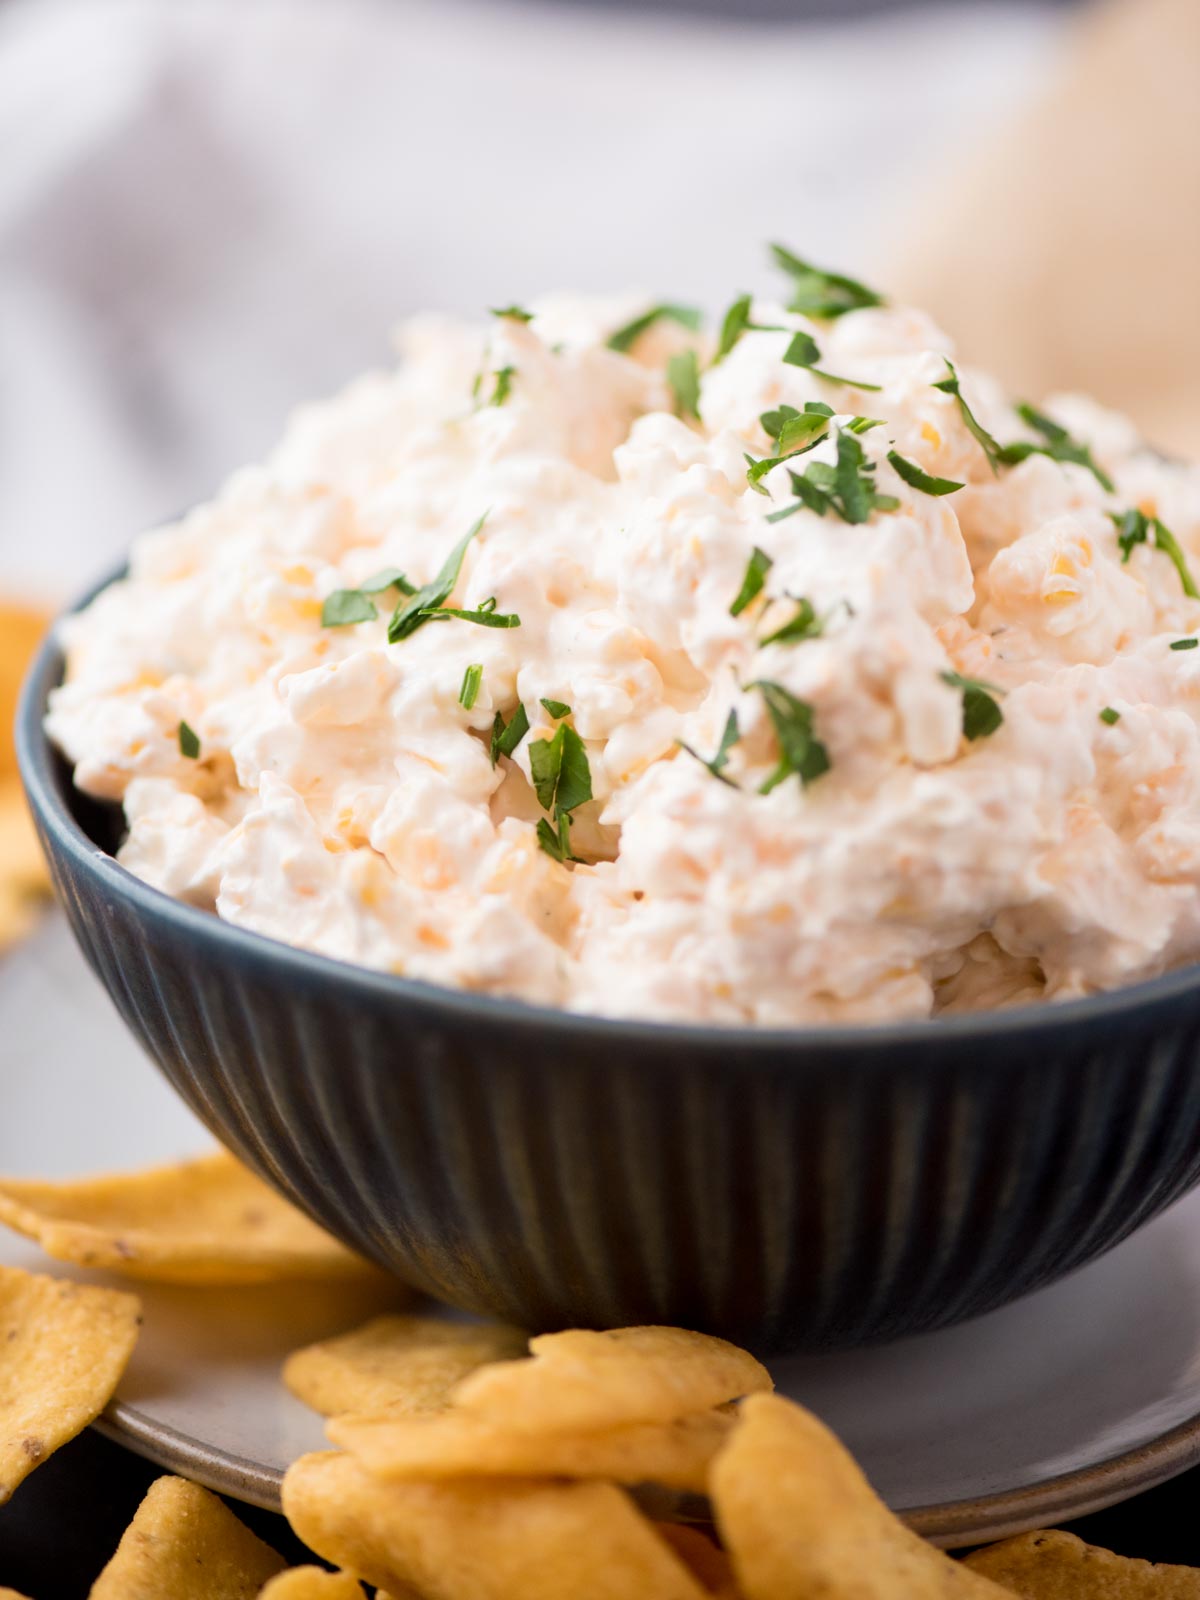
x,y
822,1186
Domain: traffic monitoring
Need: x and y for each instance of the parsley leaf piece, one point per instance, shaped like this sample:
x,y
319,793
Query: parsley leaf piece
x,y
773,422
804,625
757,567
1166,541
822,294
720,761
504,377
506,737
683,376
917,478
1110,716
189,742
412,612
557,844
469,692
991,448
513,313
853,484
557,708
389,578
485,616
1134,527
847,487
864,424
798,433
733,326
625,338
801,752
981,711
1059,446
346,606
803,352
808,498
559,766
1183,644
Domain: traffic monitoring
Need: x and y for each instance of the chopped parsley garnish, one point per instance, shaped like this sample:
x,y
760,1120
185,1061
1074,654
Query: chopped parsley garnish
x,y
1109,716
981,713
389,578
801,752
507,736
513,313
917,478
990,446
557,843
189,742
557,708
504,378
806,624
413,611
469,692
736,322
822,294
1183,644
757,568
847,488
625,338
803,352
1134,527
346,606
720,761
683,376
485,615
559,766
1059,446
795,433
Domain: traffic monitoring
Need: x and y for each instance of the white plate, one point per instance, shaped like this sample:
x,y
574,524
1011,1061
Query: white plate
x,y
1068,1401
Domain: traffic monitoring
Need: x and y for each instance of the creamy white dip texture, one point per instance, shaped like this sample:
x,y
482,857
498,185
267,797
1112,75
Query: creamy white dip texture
x,y
329,788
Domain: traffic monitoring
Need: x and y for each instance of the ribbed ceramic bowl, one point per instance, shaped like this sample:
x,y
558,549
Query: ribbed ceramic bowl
x,y
809,1187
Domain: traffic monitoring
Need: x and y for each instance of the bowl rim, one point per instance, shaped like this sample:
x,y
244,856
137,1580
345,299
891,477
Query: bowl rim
x,y
934,1037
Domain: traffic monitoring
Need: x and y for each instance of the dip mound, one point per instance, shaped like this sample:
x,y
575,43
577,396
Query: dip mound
x,y
783,674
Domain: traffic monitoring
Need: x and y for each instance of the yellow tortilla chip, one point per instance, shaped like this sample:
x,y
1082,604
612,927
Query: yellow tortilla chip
x,y
407,1365
462,1444
483,1539
586,1380
313,1583
24,879
798,1518
209,1221
704,1559
184,1543
11,1594
21,630
63,1348
1058,1566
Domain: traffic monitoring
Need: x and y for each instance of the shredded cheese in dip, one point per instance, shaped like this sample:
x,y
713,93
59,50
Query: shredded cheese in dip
x,y
340,795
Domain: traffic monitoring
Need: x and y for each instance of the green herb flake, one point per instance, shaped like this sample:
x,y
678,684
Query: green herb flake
x,y
803,352
733,326
557,708
798,432
504,377
720,761
981,711
991,448
512,313
507,736
625,338
559,767
1134,527
805,624
1183,644
822,294
414,610
1109,716
683,377
1059,446
556,843
347,606
469,692
485,616
801,753
189,742
757,567
917,478
389,578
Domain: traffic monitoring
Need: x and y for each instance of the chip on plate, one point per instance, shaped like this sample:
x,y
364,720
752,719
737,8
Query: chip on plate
x,y
587,1380
702,1557
483,1539
463,1444
21,630
208,1221
798,1518
184,1543
313,1583
63,1348
1058,1566
396,1363
24,881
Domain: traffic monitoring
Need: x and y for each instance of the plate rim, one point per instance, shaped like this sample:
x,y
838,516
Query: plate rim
x,y
953,1524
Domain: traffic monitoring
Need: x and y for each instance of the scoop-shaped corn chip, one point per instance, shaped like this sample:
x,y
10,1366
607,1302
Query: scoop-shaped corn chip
x,y
184,1543
63,1348
707,1562
397,1363
313,1583
458,1444
582,1379
483,1539
21,630
799,1519
209,1221
1058,1566
23,875
11,1594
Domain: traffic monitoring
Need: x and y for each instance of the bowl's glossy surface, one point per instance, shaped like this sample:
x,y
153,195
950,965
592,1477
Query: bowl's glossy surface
x,y
818,1187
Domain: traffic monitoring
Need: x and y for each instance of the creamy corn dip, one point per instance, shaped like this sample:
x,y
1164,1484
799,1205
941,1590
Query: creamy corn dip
x,y
522,669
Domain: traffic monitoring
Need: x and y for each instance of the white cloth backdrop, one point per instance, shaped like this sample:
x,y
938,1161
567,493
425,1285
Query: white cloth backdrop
x,y
210,209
